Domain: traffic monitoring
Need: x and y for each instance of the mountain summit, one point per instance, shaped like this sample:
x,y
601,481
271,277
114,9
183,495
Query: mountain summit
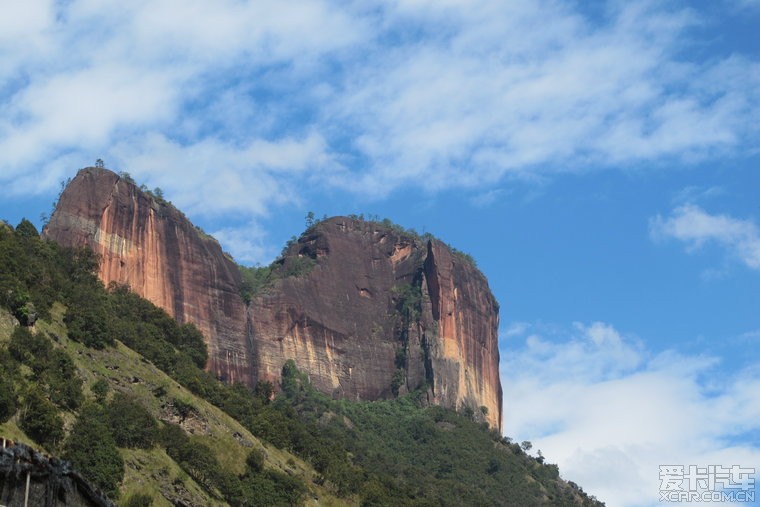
x,y
367,309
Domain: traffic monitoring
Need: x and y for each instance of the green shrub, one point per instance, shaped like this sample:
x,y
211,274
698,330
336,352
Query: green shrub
x,y
297,266
41,421
26,314
87,320
192,343
131,424
408,300
15,297
52,368
194,457
7,399
32,349
64,384
397,381
100,389
254,280
255,460
272,488
91,449
26,229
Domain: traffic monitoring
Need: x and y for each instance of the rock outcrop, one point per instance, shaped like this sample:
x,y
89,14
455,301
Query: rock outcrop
x,y
366,309
147,243
28,477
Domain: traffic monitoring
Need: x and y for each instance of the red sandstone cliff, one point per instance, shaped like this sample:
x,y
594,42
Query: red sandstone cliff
x,y
151,246
378,311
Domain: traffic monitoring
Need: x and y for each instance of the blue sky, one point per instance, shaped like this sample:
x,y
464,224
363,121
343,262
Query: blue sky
x,y
598,159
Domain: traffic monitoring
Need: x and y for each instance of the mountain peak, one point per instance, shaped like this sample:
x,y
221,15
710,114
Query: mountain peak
x,y
368,309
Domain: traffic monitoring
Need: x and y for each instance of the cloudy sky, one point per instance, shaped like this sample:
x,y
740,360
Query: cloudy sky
x,y
598,159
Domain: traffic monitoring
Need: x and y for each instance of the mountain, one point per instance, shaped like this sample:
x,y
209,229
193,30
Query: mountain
x,y
70,388
150,245
116,387
369,311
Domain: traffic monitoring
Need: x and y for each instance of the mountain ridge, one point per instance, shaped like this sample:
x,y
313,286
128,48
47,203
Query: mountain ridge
x,y
339,322
113,383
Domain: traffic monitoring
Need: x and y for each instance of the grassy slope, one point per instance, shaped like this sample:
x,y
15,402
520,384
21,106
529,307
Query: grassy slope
x,y
391,453
153,471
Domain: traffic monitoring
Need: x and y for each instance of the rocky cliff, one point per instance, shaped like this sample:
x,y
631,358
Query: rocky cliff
x,y
367,310
147,243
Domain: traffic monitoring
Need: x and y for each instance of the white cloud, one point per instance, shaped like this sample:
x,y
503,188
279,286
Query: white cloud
x,y
692,194
95,76
246,244
609,411
468,93
81,109
695,227
369,97
24,33
534,87
748,4
213,177
514,329
751,336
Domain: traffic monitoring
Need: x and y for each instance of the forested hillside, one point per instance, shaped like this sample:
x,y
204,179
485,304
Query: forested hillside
x,y
110,382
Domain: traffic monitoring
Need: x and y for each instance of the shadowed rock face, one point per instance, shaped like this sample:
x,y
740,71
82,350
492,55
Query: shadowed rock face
x,y
379,312
51,482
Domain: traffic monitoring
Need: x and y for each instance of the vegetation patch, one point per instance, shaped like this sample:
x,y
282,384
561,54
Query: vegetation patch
x,y
259,279
72,382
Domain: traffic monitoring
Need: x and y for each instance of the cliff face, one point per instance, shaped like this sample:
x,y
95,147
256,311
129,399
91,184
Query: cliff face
x,y
151,246
382,312
466,316
366,310
337,320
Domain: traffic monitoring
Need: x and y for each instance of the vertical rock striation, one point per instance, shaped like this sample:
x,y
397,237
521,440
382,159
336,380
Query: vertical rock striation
x,y
370,312
466,357
337,321
148,244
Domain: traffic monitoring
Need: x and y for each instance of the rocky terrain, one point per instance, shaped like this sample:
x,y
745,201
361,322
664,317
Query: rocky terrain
x,y
28,477
367,309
